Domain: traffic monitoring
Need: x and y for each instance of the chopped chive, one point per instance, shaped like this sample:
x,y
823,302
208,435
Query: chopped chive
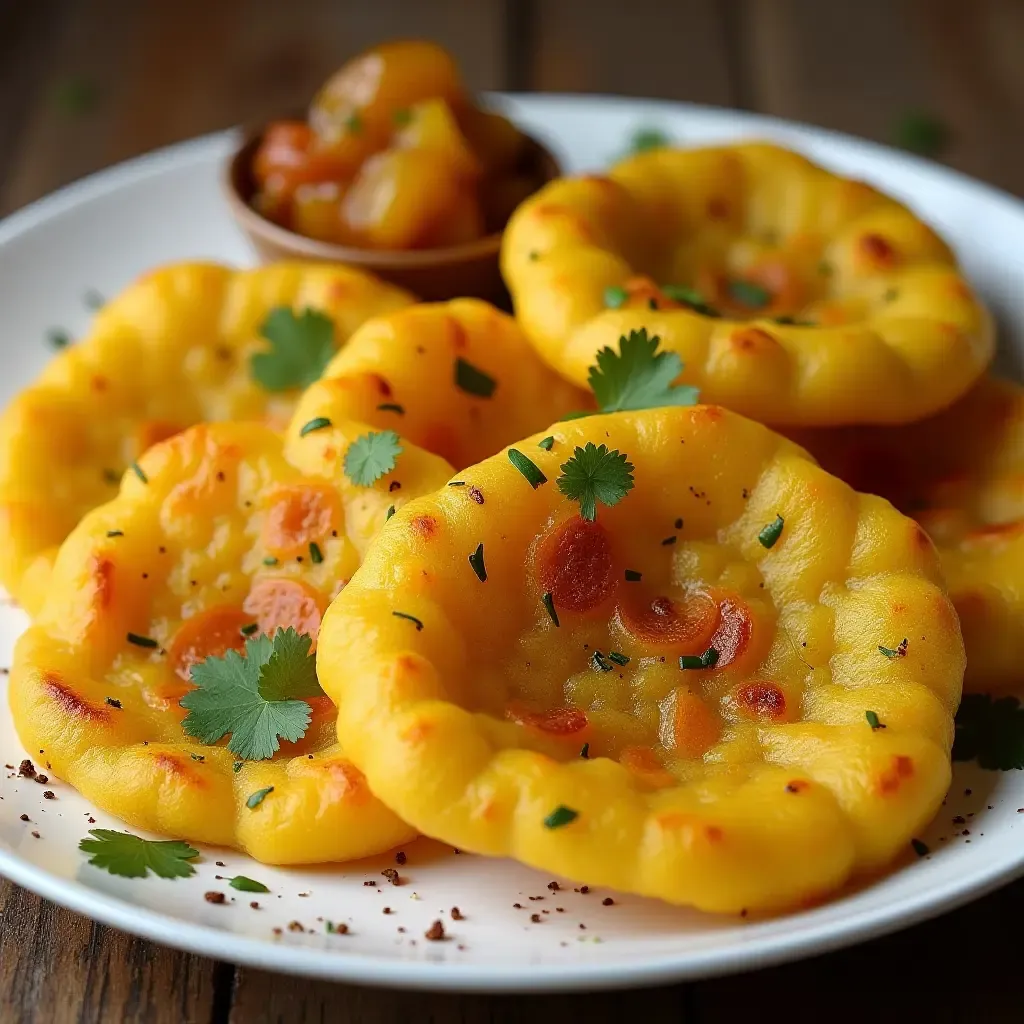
x,y
919,848
749,294
457,483
561,816
58,338
258,797
115,533
771,533
114,702
644,139
270,560
615,296
689,297
410,618
245,884
632,576
547,443
391,407
198,757
534,477
549,606
317,423
249,629
316,556
600,662
141,641
391,512
472,380
668,542
895,652
585,751
137,470
873,721
354,123
476,560
618,658
237,766
652,303
709,659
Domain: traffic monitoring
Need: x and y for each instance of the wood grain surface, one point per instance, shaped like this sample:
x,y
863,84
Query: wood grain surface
x,y
85,83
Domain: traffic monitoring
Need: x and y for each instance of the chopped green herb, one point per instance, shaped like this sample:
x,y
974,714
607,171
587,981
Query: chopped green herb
x,y
410,618
873,720
632,576
793,321
244,884
255,799
237,766
990,730
476,560
561,816
547,443
599,662
529,469
615,296
668,541
920,848
390,513
652,303
921,133
585,751
372,456
644,139
114,703
618,658
115,533
129,856
689,297
137,470
593,475
771,533
391,407
402,117
548,601
751,295
141,641
709,659
259,697
638,376
198,757
317,423
895,652
249,629
472,380
316,556
354,124
300,349
270,560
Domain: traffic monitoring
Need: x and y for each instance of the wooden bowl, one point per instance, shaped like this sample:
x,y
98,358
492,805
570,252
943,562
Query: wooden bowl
x,y
432,274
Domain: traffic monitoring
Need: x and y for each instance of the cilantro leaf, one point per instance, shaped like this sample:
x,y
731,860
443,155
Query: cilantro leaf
x,y
593,475
638,376
990,731
300,349
257,697
644,139
372,456
130,856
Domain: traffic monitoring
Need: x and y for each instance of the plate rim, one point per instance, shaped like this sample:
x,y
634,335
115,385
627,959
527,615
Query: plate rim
x,y
340,965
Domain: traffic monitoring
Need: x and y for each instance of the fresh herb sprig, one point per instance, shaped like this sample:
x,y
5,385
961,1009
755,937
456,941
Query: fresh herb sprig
x,y
595,474
300,348
130,856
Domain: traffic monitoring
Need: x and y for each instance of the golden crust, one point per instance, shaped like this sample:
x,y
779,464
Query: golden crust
x,y
398,372
961,475
170,351
897,332
180,558
756,783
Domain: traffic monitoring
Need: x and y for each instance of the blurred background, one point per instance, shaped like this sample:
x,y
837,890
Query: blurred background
x,y
86,83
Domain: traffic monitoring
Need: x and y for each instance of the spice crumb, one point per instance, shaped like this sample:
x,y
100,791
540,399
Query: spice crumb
x,y
457,914
220,863
24,817
560,910
517,906
36,835
554,886
386,910
535,918
370,881
607,902
435,933
400,857
27,770
277,931
49,795
42,779
392,876
254,905
214,897
295,926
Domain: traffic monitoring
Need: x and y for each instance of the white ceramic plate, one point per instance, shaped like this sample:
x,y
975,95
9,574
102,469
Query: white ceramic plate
x,y
99,234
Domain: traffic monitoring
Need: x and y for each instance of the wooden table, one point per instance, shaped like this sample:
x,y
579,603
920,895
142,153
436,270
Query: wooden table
x,y
85,83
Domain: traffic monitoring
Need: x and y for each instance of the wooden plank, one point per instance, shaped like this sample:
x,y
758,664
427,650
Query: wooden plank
x,y
677,50
163,72
958,968
860,67
260,996
56,966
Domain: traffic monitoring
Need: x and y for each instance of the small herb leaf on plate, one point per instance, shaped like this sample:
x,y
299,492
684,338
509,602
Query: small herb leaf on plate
x,y
130,856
